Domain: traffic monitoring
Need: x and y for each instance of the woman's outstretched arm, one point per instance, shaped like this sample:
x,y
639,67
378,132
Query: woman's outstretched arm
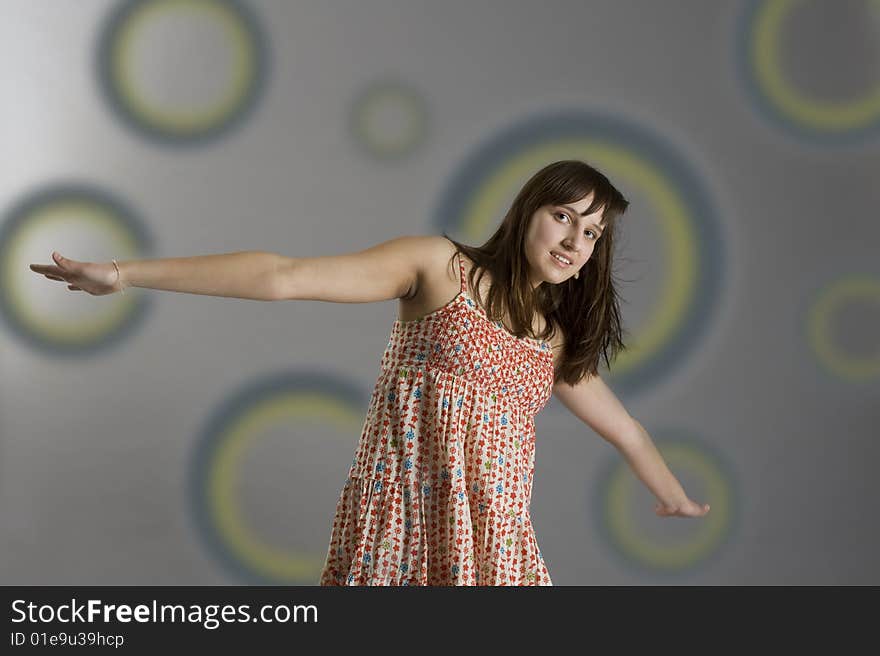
x,y
593,402
244,274
383,272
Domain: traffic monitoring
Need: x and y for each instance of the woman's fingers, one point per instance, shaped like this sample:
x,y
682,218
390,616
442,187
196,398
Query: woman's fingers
x,y
690,509
52,273
44,269
62,265
60,271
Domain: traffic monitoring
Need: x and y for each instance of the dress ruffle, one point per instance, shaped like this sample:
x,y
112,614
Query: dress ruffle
x,y
383,531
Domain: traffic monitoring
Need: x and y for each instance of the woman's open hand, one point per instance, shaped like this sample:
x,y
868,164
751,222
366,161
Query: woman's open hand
x,y
98,279
686,509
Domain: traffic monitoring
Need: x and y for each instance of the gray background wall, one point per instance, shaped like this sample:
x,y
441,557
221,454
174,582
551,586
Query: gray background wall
x,y
762,392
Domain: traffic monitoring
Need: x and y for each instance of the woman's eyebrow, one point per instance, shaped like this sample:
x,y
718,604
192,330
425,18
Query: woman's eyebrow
x,y
573,211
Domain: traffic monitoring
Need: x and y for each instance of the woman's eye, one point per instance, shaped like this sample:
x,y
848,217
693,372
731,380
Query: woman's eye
x,y
585,231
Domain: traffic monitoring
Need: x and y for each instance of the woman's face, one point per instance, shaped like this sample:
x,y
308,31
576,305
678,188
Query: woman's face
x,y
562,230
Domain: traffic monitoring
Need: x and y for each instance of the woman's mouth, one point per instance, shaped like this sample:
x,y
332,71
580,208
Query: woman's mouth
x,y
561,261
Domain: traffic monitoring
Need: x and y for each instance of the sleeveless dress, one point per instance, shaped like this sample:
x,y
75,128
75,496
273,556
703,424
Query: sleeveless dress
x,y
438,492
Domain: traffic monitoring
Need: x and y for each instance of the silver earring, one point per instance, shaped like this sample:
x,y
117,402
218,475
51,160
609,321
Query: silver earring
x,y
577,273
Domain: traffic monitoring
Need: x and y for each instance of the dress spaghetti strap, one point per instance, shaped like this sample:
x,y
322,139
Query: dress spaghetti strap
x,y
463,286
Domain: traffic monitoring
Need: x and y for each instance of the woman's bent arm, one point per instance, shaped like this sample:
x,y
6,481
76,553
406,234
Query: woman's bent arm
x,y
244,274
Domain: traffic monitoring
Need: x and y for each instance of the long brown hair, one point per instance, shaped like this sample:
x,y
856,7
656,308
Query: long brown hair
x,y
586,309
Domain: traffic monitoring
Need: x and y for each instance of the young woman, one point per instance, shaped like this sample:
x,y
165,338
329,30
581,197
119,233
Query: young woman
x,y
439,490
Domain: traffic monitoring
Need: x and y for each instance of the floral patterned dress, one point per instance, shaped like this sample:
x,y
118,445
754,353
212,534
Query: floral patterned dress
x,y
438,492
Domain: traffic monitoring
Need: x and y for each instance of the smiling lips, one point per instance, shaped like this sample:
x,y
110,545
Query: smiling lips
x,y
561,260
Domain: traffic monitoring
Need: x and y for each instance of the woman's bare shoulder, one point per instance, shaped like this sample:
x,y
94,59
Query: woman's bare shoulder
x,y
434,254
432,245
437,280
439,261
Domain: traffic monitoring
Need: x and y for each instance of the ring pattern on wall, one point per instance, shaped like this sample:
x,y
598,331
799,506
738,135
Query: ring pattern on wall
x,y
762,54
90,220
160,65
389,119
826,308
624,515
286,400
